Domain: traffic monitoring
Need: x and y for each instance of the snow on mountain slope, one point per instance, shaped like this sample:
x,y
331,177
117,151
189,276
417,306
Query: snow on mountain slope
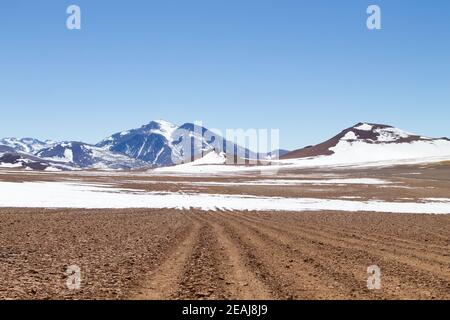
x,y
10,158
364,144
161,143
368,143
158,127
83,155
150,143
28,145
210,159
6,149
156,144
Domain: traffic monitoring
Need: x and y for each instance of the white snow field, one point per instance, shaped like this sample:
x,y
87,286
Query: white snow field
x,y
66,195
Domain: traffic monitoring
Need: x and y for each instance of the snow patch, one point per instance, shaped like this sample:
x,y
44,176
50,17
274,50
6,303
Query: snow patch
x,y
283,182
346,153
10,165
364,127
367,181
68,155
66,195
391,134
166,129
437,199
350,136
210,160
52,169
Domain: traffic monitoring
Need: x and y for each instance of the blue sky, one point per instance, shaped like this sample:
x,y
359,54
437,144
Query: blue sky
x,y
309,68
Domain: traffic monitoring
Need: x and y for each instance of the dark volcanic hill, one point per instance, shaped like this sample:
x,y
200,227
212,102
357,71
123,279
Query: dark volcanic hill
x,y
369,133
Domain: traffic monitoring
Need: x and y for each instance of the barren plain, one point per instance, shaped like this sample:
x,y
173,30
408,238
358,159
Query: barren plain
x,y
220,253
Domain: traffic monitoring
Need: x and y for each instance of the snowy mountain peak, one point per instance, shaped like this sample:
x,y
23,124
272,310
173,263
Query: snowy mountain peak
x,y
161,127
363,126
379,133
163,123
29,145
161,143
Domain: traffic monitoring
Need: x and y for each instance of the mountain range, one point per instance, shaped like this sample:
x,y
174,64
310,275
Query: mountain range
x,y
162,144
156,144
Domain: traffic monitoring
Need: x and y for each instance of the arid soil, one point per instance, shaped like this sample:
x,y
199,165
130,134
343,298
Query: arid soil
x,y
193,254
170,254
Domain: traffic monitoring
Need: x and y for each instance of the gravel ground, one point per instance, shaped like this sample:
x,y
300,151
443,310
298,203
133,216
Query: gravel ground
x,y
190,254
161,254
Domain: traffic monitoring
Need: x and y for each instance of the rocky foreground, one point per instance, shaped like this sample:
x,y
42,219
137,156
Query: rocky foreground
x,y
163,254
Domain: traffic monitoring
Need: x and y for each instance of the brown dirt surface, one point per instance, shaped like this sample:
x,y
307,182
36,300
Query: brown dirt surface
x,y
192,254
174,254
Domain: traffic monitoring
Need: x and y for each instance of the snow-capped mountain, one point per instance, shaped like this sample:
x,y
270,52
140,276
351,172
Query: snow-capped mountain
x,y
151,143
156,144
10,158
28,145
368,142
204,141
161,143
6,149
86,156
364,144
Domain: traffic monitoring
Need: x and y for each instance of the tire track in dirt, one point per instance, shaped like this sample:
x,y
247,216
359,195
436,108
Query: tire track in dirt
x,y
163,282
241,282
416,248
330,280
350,232
436,264
327,257
316,254
370,236
326,254
201,275
204,265
277,268
247,255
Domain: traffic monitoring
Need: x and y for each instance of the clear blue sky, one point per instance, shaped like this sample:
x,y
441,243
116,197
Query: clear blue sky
x,y
309,68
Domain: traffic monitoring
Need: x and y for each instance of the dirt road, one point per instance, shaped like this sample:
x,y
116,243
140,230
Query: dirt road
x,y
170,254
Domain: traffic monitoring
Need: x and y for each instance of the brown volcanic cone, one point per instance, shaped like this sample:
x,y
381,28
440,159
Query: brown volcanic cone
x,y
372,135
